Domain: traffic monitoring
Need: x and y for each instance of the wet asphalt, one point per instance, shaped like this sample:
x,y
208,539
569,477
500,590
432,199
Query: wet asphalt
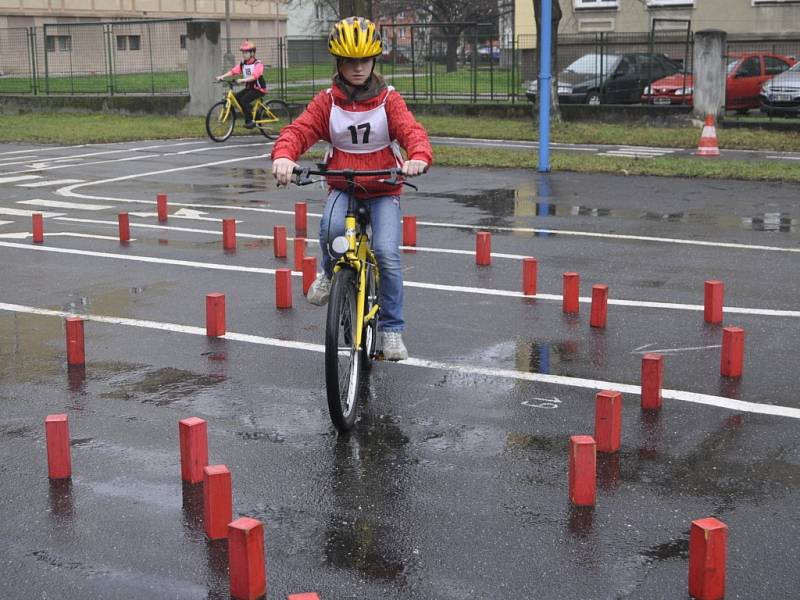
x,y
453,483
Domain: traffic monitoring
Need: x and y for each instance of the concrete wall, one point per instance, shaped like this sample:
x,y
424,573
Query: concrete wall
x,y
205,60
710,47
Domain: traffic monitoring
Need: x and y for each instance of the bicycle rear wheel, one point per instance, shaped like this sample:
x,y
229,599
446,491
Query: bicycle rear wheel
x,y
272,128
219,125
342,354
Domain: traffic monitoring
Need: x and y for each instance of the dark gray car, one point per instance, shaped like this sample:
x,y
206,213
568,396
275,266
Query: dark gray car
x,y
609,78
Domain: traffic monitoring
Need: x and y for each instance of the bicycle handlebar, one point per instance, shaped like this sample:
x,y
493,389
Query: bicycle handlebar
x,y
302,175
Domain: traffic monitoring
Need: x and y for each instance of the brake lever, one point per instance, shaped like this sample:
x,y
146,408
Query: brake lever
x,y
302,177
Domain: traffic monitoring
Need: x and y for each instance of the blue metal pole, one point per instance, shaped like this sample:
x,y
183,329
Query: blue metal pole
x,y
545,76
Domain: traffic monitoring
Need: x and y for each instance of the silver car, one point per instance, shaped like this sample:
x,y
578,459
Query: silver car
x,y
781,94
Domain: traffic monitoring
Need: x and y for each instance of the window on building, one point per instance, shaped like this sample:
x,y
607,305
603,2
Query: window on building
x,y
776,1
596,3
183,42
657,3
401,33
319,11
131,42
59,43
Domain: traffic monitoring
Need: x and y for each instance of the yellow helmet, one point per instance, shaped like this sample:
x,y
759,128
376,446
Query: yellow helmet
x,y
355,37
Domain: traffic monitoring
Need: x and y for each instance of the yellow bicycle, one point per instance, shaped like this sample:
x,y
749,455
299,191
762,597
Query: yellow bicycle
x,y
351,330
269,117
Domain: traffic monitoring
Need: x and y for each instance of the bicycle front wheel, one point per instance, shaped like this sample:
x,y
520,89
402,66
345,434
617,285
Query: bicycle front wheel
x,y
342,355
219,121
271,124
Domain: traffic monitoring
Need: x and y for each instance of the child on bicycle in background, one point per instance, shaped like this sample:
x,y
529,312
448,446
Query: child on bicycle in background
x,y
365,122
252,71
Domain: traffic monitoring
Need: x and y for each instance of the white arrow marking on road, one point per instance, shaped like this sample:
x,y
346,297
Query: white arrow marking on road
x,y
641,349
548,403
19,178
49,182
60,204
18,212
189,213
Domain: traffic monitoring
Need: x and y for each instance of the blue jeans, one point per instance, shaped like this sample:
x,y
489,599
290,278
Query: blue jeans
x,y
385,241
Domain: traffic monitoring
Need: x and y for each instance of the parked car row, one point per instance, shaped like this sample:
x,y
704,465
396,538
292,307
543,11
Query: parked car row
x,y
754,79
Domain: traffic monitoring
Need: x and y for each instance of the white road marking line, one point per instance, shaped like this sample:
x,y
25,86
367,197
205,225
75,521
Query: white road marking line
x,y
49,182
88,164
18,160
613,236
785,157
18,178
6,222
705,399
68,191
642,350
42,149
414,284
625,154
19,212
60,204
22,235
227,147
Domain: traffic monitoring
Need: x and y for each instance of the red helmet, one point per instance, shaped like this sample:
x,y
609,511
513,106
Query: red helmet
x,y
247,46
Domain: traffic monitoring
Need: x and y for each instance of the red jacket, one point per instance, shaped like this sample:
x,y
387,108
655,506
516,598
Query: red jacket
x,y
312,126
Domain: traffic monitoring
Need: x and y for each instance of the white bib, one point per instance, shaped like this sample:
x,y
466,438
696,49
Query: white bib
x,y
249,70
360,132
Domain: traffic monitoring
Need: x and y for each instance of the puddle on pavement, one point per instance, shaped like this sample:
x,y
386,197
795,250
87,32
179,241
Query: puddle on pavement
x,y
538,198
161,387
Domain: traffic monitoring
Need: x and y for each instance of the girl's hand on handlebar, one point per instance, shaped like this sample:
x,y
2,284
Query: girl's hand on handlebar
x,y
282,170
412,168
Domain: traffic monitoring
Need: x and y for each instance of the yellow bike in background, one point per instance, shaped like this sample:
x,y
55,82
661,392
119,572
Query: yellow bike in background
x,y
269,117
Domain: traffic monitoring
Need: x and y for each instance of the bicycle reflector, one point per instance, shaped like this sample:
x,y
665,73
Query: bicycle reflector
x,y
340,245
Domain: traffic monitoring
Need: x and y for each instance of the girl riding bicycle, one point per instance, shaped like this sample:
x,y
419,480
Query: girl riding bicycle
x,y
252,71
366,123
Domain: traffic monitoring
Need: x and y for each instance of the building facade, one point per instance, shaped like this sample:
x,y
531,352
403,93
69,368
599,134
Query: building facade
x,y
737,17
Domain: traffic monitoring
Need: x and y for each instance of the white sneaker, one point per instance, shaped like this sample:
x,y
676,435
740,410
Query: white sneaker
x,y
393,347
320,290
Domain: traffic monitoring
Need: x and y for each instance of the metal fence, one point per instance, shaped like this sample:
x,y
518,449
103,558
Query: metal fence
x,y
150,57
126,57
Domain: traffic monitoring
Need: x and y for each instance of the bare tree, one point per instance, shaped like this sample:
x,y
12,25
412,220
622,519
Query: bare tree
x,y
452,18
555,113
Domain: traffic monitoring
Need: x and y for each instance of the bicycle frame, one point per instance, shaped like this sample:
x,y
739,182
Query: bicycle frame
x,y
232,103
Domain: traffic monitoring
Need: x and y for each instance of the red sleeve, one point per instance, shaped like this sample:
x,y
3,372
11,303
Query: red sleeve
x,y
258,71
237,70
306,130
404,128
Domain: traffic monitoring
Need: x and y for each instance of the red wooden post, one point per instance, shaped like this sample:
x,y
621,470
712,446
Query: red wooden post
x,y
193,433
483,248
217,501
59,461
608,421
161,204
530,271
299,253
215,314
300,216
229,234
38,228
305,596
124,227
732,357
571,291
708,540
283,288
279,240
76,354
599,312
248,574
409,230
582,470
714,292
652,380
309,272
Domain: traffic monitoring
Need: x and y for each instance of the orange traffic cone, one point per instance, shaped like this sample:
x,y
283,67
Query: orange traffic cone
x,y
708,140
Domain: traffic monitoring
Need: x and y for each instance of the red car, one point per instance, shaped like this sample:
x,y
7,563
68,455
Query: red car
x,y
747,72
